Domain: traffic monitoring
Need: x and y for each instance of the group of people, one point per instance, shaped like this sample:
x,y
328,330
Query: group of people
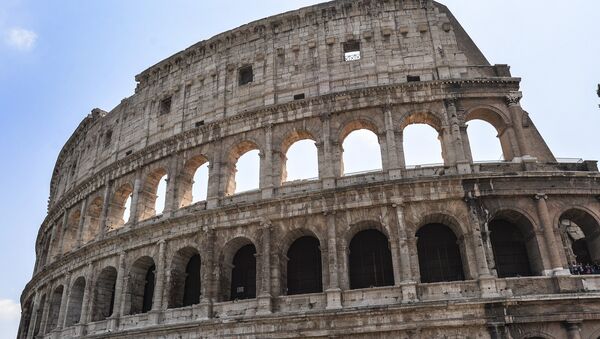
x,y
585,269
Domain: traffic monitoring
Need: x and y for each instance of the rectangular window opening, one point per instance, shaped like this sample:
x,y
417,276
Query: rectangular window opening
x,y
352,50
199,123
299,96
246,75
107,139
413,78
165,106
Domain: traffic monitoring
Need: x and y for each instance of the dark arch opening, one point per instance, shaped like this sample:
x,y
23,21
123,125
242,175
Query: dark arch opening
x,y
243,274
104,296
304,274
581,252
149,289
54,309
75,302
370,260
510,250
142,281
38,315
26,318
185,278
191,294
439,254
581,236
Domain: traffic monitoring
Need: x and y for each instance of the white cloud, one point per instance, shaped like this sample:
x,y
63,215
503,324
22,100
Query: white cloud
x,y
20,38
10,313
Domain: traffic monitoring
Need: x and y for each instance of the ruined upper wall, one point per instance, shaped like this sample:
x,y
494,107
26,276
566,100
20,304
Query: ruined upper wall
x,y
295,54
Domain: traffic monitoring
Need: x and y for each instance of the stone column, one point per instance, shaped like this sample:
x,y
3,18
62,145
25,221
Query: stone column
x,y
326,163
171,203
63,228
448,152
483,270
550,239
86,303
334,293
214,178
264,298
119,302
46,310
516,114
81,222
266,165
64,301
135,199
393,154
157,301
208,274
457,143
407,282
34,315
573,329
105,206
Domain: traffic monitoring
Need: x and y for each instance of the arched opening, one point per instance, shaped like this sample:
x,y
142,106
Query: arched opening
x,y
247,174
581,236
439,254
161,193
38,315
510,249
304,274
200,186
75,302
370,260
120,208
91,227
152,196
142,280
104,296
243,273
301,161
484,141
193,181
422,145
185,278
244,168
26,315
71,231
54,310
362,152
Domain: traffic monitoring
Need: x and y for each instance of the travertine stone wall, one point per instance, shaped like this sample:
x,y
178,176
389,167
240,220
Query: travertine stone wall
x,y
190,109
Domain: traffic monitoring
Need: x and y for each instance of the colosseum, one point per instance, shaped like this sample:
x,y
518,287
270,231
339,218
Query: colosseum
x,y
463,249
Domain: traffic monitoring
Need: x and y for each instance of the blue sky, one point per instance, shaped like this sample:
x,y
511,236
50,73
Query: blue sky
x,y
60,59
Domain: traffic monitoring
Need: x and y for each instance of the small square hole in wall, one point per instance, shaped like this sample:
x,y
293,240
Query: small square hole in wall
x,y
413,78
352,50
246,75
165,106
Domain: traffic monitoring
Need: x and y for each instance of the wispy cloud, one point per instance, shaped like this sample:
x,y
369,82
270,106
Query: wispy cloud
x,y
20,38
10,312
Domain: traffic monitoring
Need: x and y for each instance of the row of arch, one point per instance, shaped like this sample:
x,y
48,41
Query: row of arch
x,y
129,201
440,251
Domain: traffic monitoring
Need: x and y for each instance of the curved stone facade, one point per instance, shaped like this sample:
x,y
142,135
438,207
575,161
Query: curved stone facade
x,y
456,250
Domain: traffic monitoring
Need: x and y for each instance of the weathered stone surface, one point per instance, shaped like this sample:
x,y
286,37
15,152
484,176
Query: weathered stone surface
x,y
416,65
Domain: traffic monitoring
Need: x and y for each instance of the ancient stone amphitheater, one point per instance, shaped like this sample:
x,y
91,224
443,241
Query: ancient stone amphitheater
x,y
458,250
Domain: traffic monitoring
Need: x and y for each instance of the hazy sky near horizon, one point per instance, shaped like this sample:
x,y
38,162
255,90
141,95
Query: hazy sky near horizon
x,y
60,59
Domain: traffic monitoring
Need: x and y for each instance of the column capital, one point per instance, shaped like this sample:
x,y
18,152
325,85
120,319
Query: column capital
x,y
513,98
540,196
